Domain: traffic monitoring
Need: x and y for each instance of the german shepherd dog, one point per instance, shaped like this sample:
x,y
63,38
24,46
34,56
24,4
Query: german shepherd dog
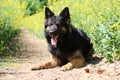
x,y
69,46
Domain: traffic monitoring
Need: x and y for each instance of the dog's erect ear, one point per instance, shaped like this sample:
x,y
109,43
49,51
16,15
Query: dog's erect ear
x,y
65,13
48,13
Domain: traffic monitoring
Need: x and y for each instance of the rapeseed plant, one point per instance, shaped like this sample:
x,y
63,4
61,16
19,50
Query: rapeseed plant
x,y
100,19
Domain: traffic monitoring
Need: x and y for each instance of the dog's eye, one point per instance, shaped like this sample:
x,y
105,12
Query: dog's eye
x,y
58,25
50,24
46,26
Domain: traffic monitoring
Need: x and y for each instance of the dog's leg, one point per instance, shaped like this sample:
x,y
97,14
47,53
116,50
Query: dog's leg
x,y
73,64
75,60
48,64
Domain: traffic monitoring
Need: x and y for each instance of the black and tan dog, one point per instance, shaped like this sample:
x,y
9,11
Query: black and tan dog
x,y
69,46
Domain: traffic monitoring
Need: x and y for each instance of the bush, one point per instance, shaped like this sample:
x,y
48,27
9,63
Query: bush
x,y
10,16
33,6
7,35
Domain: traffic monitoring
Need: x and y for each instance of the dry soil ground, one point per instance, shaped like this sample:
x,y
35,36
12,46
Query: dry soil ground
x,y
35,51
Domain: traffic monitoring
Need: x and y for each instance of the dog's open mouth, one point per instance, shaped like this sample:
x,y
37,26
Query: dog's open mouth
x,y
54,40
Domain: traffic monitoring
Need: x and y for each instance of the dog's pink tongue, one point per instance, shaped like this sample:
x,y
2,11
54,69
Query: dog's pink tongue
x,y
54,42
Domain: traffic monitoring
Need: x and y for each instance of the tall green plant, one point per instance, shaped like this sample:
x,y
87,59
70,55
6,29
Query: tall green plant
x,y
10,15
7,35
33,6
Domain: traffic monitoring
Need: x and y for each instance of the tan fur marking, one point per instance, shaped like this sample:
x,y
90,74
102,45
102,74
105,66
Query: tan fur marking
x,y
75,60
63,29
48,28
48,64
73,64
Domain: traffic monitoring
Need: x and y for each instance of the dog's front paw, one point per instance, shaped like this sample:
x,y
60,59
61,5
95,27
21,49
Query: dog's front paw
x,y
68,66
40,66
37,67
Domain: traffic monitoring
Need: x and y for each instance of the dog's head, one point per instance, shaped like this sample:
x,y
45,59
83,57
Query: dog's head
x,y
57,26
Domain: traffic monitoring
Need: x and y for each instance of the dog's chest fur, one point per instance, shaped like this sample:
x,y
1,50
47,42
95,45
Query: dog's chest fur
x,y
66,46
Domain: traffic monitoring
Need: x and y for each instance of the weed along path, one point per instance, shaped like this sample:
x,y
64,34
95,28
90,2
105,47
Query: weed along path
x,y
35,51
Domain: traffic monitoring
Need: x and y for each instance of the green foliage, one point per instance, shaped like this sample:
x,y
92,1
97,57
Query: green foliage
x,y
7,35
33,6
10,16
107,41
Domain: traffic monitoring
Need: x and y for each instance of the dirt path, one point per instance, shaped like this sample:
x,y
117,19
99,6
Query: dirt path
x,y
35,51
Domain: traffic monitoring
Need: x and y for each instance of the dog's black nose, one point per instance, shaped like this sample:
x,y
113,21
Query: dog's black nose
x,y
52,32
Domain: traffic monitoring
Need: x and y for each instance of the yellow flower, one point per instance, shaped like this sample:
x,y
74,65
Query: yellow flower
x,y
9,1
83,22
51,7
24,4
76,5
99,14
92,41
33,3
5,13
92,30
115,26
